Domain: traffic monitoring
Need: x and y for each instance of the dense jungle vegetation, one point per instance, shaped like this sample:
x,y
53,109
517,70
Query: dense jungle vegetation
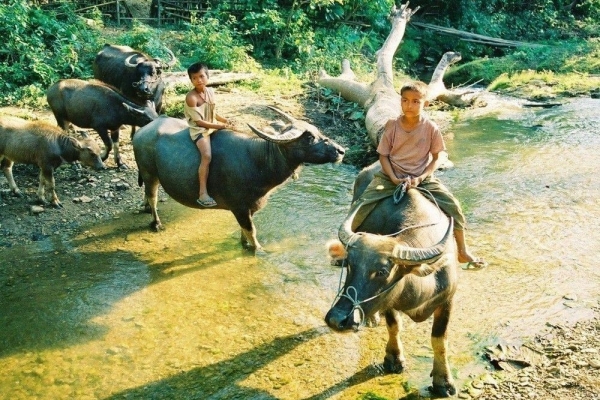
x,y
296,38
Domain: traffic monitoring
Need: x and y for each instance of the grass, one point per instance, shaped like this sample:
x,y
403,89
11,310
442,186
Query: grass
x,y
545,85
562,69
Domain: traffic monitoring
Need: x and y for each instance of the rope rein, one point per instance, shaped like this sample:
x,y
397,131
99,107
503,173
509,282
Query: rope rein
x,y
351,292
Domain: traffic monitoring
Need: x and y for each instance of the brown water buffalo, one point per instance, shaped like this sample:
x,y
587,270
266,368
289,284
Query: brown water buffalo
x,y
401,258
243,169
93,104
45,145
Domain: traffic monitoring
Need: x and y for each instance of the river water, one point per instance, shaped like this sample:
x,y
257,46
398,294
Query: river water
x,y
120,312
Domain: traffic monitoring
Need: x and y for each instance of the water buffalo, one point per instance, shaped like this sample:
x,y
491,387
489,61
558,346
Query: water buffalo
x,y
45,145
93,104
135,74
401,257
243,169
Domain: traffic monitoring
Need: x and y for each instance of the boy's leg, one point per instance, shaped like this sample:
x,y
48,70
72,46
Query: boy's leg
x,y
450,205
203,145
464,255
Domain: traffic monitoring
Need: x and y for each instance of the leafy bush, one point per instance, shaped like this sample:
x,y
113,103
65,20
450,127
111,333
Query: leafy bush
x,y
216,43
327,50
42,47
146,39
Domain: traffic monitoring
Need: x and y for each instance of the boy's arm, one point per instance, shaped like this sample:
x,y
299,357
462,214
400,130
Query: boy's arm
x,y
190,101
386,168
209,125
436,160
224,120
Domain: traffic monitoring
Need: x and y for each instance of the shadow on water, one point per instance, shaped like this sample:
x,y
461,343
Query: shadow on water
x,y
48,301
221,380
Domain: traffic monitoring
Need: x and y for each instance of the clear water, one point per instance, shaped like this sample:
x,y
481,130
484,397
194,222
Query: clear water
x,y
121,312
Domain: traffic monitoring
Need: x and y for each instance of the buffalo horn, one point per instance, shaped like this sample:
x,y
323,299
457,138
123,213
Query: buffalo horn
x,y
345,231
285,115
415,256
128,62
172,60
286,137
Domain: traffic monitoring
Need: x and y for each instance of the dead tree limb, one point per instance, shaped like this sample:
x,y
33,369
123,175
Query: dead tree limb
x,y
379,98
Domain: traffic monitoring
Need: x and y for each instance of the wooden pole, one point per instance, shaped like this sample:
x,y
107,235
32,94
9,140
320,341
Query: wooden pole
x,y
159,5
118,12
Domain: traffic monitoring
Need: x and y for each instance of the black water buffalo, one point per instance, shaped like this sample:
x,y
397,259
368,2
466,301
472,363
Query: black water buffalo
x,y
401,257
44,145
135,74
243,169
93,104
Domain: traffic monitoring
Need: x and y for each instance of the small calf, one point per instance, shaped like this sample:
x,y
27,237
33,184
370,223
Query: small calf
x,y
93,104
45,145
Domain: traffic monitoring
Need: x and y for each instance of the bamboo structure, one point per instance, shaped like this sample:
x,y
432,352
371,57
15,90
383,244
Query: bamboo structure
x,y
158,12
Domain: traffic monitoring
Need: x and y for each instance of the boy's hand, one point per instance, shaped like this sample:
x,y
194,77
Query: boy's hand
x,y
230,123
406,181
414,182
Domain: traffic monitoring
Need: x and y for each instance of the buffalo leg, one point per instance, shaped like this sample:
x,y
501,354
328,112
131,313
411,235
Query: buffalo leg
x,y
151,194
394,360
114,135
47,178
443,384
248,236
7,169
107,143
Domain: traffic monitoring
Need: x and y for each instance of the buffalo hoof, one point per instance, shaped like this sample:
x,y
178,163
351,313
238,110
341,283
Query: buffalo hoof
x,y
122,166
393,365
156,226
17,193
446,390
57,205
249,247
337,262
374,320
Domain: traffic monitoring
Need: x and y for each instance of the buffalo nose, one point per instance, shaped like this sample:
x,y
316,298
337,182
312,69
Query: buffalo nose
x,y
335,320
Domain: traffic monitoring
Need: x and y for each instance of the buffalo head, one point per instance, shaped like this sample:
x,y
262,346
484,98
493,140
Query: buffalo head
x,y
375,265
147,72
301,141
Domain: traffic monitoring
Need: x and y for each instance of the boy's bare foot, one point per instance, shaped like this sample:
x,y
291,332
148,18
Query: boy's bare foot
x,y
471,263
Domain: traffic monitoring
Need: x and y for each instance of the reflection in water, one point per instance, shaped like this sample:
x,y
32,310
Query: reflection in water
x,y
186,313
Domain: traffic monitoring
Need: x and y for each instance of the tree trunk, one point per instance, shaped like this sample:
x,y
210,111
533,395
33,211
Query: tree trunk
x,y
379,98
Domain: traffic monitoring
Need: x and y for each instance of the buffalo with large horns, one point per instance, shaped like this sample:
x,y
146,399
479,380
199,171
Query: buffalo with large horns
x,y
135,74
400,258
243,169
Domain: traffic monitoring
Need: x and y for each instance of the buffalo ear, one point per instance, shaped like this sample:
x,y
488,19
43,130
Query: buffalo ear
x,y
337,252
76,144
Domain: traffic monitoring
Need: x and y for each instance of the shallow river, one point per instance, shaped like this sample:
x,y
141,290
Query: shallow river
x,y
121,312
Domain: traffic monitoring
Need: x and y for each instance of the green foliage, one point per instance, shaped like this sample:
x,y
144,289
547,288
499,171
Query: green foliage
x,y
565,57
42,47
544,85
215,43
327,50
300,37
144,38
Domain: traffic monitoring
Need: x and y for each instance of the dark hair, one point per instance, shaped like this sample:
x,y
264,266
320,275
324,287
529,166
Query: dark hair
x,y
197,67
420,87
